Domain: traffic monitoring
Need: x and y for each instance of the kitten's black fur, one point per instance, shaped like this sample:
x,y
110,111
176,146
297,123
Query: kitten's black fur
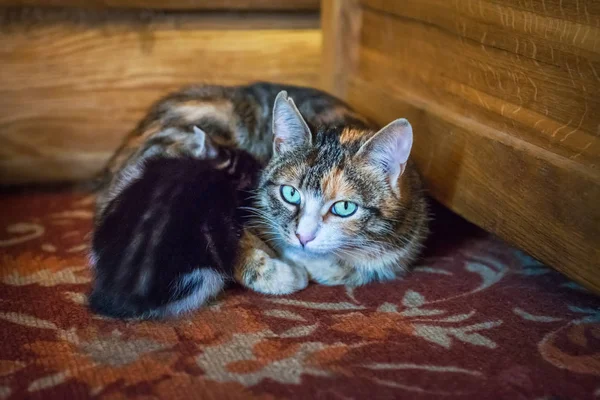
x,y
169,240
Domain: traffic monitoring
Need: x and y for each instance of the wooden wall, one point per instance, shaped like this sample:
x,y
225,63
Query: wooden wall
x,y
73,82
504,97
188,5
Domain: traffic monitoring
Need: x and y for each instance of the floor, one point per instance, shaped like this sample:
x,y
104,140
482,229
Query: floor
x,y
475,319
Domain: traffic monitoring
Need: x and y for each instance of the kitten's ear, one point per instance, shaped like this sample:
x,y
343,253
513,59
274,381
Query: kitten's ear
x,y
389,149
206,148
289,128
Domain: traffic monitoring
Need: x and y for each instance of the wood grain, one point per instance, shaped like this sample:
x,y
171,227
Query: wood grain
x,y
546,104
69,91
512,14
504,100
339,19
506,187
278,5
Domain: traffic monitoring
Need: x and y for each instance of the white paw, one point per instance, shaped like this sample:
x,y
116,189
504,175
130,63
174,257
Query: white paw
x,y
281,278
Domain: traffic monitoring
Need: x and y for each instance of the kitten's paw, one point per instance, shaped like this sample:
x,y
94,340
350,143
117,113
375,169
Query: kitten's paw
x,y
277,277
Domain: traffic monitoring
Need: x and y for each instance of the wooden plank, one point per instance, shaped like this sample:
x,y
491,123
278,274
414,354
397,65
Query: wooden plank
x,y
16,20
339,19
506,136
497,24
513,15
69,91
265,5
541,103
505,186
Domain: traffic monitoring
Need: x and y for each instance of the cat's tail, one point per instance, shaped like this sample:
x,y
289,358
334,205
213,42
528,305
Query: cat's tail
x,y
190,292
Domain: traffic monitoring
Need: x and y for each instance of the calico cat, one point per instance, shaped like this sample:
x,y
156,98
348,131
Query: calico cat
x,y
339,202
169,240
343,202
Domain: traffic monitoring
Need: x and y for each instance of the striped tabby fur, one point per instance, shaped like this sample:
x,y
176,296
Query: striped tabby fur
x,y
317,144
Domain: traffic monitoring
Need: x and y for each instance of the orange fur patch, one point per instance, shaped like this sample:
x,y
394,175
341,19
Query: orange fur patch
x,y
335,186
194,110
351,135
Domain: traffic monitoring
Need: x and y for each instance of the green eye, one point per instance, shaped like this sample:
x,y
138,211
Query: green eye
x,y
344,208
290,194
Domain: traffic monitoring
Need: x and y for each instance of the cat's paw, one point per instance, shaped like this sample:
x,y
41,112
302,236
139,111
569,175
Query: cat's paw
x,y
277,277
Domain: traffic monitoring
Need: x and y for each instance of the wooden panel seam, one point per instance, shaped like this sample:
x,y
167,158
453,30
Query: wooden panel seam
x,y
264,5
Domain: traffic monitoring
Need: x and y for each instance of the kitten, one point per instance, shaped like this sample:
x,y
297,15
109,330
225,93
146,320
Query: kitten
x,y
168,242
348,192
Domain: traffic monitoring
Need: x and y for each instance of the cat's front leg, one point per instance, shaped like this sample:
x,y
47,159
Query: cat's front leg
x,y
349,275
259,269
324,270
334,275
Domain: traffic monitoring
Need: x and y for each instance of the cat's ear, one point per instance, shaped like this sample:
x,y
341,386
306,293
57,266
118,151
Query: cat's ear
x,y
205,147
389,149
290,131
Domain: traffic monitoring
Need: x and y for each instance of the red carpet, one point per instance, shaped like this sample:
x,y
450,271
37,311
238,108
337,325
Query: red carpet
x,y
476,320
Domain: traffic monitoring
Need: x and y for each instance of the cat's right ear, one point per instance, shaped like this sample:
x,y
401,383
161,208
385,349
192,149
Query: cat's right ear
x,y
290,130
206,149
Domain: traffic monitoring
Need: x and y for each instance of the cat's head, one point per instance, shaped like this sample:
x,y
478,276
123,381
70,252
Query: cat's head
x,y
339,191
240,166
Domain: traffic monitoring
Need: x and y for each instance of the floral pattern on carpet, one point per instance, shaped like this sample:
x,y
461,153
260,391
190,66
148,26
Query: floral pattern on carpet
x,y
476,319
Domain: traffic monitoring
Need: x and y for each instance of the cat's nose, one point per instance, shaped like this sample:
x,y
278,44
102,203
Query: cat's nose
x,y
304,238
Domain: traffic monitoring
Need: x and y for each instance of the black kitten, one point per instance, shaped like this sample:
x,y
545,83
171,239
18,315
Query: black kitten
x,y
168,241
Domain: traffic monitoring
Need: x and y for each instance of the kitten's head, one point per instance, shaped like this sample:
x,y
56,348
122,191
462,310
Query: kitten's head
x,y
241,167
342,191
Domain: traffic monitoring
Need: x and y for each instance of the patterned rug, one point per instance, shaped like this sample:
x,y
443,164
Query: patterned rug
x,y
476,320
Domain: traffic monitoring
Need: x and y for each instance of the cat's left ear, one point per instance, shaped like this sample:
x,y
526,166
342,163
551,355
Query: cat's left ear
x,y
290,130
389,149
205,147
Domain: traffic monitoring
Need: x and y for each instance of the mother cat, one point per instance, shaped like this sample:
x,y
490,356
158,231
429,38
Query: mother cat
x,y
338,202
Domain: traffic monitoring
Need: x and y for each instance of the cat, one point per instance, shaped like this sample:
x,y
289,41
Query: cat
x,y
343,202
168,242
339,202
